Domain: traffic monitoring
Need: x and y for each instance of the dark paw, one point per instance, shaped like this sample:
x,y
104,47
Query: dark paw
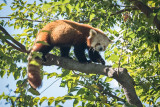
x,y
86,62
44,59
67,57
89,61
101,61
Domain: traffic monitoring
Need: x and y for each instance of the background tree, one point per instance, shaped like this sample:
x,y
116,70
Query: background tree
x,y
136,48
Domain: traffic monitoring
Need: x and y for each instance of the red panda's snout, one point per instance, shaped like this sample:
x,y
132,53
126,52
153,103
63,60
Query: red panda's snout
x,y
99,47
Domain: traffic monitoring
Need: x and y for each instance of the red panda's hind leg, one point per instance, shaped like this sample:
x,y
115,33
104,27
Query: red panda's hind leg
x,y
79,51
44,49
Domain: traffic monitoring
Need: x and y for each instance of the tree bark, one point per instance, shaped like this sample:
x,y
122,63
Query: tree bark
x,y
119,74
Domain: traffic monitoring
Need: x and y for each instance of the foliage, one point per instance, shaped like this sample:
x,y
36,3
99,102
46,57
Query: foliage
x,y
136,47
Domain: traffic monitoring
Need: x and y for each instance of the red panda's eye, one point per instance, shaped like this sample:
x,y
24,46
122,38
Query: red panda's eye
x,y
98,44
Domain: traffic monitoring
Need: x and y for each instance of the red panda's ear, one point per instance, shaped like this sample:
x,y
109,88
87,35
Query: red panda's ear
x,y
92,33
89,42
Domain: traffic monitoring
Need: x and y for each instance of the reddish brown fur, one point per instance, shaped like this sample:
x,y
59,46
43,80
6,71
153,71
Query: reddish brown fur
x,y
34,78
64,32
57,33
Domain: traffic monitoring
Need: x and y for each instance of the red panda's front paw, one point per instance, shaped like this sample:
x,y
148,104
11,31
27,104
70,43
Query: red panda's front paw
x,y
85,62
67,57
89,61
101,61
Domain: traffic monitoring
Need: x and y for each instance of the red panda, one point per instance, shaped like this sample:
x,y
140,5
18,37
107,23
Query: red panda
x,y
64,34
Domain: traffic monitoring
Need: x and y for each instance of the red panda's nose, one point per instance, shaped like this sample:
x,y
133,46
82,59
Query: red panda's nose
x,y
100,49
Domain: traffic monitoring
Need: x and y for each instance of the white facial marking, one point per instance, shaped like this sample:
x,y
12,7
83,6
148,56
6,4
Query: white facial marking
x,y
99,42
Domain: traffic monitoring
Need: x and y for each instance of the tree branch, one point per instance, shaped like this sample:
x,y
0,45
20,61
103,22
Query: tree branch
x,y
147,11
15,47
124,10
20,46
23,19
120,74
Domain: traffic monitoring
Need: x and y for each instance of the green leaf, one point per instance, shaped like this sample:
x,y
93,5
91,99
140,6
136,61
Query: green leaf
x,y
35,100
75,103
114,58
51,75
159,47
68,9
17,90
47,6
13,17
42,100
13,8
2,73
77,7
81,91
158,15
101,76
28,30
69,85
1,5
36,54
108,79
91,16
65,72
42,42
34,62
50,100
33,91
63,84
115,50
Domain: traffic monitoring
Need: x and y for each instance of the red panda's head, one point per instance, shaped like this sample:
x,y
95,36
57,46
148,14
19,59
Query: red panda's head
x,y
98,41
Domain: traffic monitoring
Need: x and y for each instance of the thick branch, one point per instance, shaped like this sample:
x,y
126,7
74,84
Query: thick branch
x,y
120,74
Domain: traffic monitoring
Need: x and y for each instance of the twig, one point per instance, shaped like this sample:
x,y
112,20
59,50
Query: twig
x,y
103,91
50,85
113,96
153,76
147,11
23,19
124,10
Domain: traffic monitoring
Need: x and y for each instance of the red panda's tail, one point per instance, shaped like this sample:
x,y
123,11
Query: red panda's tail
x,y
34,78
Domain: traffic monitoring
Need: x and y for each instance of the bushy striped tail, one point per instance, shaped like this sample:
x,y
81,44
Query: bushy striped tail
x,y
34,77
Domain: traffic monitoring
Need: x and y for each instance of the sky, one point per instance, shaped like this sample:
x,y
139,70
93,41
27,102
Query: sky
x,y
9,83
